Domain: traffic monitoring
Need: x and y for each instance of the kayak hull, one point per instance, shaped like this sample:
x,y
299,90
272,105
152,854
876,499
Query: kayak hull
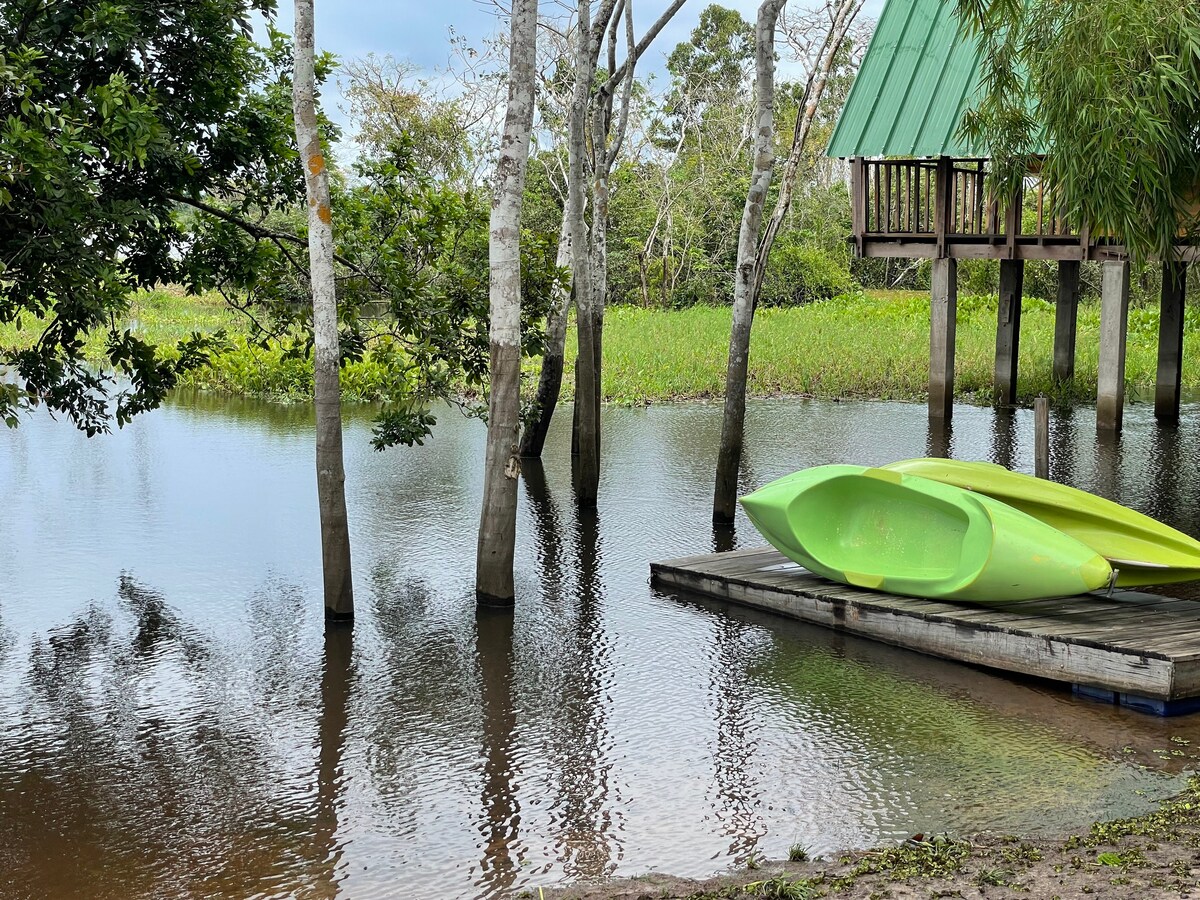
x,y
1142,550
903,534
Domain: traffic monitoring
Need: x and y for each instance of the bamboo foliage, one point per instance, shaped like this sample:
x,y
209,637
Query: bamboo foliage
x,y
1106,89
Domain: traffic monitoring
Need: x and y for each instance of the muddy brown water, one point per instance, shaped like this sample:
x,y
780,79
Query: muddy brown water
x,y
174,722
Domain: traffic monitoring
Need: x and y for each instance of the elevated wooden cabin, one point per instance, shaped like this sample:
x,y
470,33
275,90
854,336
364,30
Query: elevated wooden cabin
x,y
918,191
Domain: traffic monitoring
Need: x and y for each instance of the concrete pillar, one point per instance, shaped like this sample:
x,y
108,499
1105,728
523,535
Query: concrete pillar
x,y
1114,323
943,307
1008,332
1066,315
1170,343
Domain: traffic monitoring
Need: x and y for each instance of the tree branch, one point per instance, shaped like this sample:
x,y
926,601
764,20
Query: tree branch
x,y
269,234
644,44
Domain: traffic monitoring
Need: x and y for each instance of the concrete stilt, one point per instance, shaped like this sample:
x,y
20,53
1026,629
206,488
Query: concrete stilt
x,y
943,307
1170,343
1114,324
1066,314
1008,331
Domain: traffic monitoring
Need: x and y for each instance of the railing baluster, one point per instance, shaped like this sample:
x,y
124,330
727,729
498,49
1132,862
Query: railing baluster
x,y
1040,205
875,173
979,178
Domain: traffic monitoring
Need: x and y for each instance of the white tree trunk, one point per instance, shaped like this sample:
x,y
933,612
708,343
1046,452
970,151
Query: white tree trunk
x,y
331,475
498,522
730,456
843,17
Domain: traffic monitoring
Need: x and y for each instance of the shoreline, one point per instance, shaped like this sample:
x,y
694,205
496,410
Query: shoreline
x,y
1149,857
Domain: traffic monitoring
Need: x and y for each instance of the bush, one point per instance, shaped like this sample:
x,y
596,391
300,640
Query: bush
x,y
800,273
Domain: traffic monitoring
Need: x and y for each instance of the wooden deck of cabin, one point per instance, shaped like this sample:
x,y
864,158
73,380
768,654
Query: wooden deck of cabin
x,y
1140,650
941,209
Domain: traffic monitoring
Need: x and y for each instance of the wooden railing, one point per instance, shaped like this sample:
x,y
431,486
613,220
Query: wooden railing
x,y
936,200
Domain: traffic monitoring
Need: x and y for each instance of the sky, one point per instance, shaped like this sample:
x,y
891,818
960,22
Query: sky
x,y
417,30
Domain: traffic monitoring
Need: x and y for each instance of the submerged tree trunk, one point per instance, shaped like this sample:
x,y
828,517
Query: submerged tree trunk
x,y
550,377
730,455
331,475
593,259
587,480
498,521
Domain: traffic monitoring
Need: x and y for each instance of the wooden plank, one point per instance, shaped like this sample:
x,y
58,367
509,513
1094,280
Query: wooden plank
x,y
943,315
928,225
1026,654
1008,331
1114,325
1131,643
858,201
1012,224
942,206
875,174
875,245
1041,437
1066,317
887,197
1170,343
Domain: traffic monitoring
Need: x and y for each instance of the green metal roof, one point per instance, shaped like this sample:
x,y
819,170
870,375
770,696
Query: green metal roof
x,y
917,78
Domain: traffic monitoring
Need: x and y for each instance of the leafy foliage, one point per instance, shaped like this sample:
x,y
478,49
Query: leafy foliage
x,y
413,292
110,111
1108,89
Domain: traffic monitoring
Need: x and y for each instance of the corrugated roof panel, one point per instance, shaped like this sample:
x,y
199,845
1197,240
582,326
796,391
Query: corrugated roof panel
x,y
916,80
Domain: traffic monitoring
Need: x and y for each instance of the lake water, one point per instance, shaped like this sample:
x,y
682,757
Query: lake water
x,y
173,720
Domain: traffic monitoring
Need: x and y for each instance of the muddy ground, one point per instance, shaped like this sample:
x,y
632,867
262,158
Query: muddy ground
x,y
1144,858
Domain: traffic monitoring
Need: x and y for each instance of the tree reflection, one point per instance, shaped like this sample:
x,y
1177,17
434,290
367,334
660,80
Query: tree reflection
x,y
501,808
336,679
139,768
586,831
731,692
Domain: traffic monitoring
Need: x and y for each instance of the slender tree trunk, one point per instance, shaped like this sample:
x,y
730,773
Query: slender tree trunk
x,y
331,475
599,288
730,456
498,522
814,89
550,377
591,262
587,478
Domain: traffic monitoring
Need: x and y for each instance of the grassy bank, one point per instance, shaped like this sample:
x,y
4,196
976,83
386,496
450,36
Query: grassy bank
x,y
873,345
165,317
869,345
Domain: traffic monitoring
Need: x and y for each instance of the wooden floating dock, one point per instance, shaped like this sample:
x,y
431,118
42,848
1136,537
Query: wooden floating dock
x,y
1140,650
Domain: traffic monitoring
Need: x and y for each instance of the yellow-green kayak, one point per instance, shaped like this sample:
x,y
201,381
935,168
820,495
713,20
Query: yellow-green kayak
x,y
885,530
1142,550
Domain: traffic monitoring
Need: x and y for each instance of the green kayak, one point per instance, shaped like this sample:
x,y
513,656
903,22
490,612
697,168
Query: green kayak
x,y
885,530
1141,549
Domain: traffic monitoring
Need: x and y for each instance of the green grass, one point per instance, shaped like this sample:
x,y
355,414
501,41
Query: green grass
x,y
872,345
869,345
162,317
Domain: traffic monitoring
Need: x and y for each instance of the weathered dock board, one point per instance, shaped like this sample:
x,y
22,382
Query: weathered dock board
x,y
1142,650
